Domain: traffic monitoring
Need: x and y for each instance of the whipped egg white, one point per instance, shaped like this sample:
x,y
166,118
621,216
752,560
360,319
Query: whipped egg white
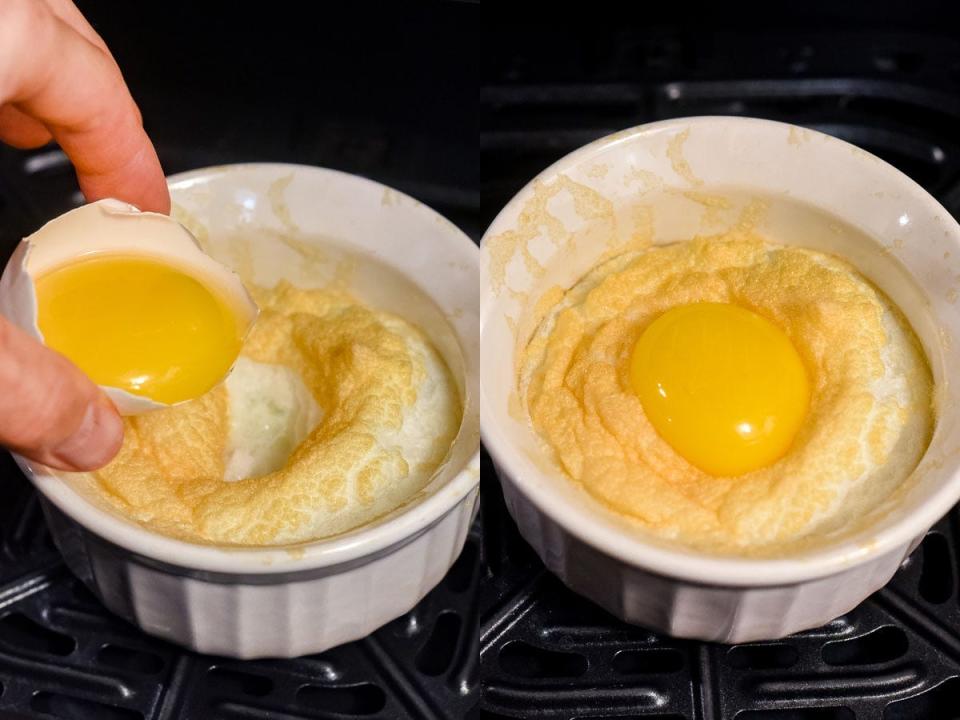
x,y
869,420
335,415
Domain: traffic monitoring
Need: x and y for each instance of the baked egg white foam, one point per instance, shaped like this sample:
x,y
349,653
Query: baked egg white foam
x,y
336,414
869,420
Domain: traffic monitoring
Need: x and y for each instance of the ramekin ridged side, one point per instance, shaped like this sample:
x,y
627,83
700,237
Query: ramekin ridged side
x,y
264,615
691,610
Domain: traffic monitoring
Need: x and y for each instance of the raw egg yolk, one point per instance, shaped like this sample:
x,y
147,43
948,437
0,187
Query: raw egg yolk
x,y
138,324
722,385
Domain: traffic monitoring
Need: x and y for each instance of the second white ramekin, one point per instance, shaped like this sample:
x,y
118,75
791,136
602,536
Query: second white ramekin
x,y
664,180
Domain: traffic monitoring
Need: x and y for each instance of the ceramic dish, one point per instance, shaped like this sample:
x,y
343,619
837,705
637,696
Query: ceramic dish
x,y
311,226
664,180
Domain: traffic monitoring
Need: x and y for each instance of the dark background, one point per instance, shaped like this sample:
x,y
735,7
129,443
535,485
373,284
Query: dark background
x,y
885,76
384,90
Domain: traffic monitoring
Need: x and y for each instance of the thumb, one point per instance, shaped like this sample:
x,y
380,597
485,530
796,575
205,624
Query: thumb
x,y
50,411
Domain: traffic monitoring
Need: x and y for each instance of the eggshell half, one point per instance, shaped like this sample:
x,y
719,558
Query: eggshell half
x,y
112,226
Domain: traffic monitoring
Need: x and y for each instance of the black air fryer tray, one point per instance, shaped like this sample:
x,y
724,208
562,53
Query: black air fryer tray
x,y
545,652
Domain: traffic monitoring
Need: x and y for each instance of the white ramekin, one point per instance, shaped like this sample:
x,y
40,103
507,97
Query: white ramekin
x,y
662,179
311,226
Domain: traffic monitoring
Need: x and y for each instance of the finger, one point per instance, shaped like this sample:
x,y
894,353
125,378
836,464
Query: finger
x,y
49,410
83,101
71,15
21,130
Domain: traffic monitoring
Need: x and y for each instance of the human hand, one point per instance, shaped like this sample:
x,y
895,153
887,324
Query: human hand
x,y
58,81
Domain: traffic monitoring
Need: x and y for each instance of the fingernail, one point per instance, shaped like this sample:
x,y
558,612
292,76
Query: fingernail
x,y
95,441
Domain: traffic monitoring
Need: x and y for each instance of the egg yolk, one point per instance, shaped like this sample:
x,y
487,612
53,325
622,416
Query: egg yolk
x,y
138,324
722,385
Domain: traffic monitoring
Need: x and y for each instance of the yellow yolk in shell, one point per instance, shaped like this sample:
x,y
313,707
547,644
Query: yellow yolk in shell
x,y
723,385
138,324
